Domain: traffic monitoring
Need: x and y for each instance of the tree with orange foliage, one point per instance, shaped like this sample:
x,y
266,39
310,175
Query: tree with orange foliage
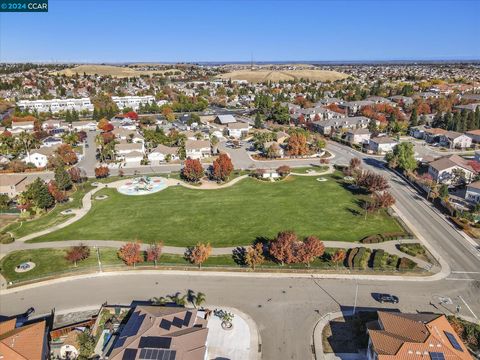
x,y
222,167
77,253
131,115
283,248
102,123
66,153
254,255
310,249
57,194
297,145
198,254
338,257
383,200
101,172
192,170
130,253
154,252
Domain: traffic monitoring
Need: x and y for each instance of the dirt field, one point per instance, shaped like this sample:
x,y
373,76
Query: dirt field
x,y
105,70
256,76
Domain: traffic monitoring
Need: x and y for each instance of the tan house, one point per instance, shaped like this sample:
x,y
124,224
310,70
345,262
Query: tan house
x,y
197,149
397,336
159,332
443,170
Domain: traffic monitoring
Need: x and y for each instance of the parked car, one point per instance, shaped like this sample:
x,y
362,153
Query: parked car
x,y
387,298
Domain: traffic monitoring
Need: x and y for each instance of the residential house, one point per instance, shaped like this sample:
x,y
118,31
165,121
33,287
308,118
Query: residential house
x,y
453,139
51,124
474,135
225,119
473,192
196,149
344,123
39,157
133,157
353,106
443,170
124,148
21,126
398,336
433,135
468,107
160,154
238,130
51,141
418,132
158,332
358,136
382,144
399,99
83,125
27,342
56,105
12,185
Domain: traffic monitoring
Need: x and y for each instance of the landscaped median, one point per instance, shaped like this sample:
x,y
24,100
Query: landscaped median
x,y
54,263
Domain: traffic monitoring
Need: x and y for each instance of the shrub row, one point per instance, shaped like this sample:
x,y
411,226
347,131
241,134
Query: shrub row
x,y
412,249
378,238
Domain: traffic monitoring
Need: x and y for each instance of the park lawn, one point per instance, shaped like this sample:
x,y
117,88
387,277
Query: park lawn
x,y
48,262
231,216
53,217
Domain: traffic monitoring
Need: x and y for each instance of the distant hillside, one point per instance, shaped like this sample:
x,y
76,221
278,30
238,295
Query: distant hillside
x,y
105,70
256,76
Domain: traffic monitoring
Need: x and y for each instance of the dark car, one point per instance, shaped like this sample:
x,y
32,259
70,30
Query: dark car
x,y
387,298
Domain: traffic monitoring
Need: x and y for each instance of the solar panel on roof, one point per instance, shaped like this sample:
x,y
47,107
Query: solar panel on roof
x,y
437,356
157,354
453,341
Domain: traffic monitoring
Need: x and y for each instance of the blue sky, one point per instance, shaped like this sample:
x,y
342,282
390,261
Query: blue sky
x,y
122,31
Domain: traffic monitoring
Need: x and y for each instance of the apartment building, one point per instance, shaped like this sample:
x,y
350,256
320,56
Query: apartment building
x,y
56,105
132,101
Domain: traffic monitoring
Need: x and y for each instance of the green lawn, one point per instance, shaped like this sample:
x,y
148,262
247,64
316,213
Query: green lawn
x,y
232,216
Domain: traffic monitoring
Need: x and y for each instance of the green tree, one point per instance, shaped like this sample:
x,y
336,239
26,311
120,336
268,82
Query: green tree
x,y
404,156
62,178
4,201
87,345
258,121
37,194
414,118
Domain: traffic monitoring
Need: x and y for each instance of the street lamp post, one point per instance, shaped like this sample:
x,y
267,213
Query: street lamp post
x,y
97,249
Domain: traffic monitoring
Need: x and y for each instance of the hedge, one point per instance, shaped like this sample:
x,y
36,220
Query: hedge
x,y
412,249
360,261
378,259
351,255
406,264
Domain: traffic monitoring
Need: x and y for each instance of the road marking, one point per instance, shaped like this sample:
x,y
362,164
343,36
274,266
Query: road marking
x,y
468,307
465,272
461,279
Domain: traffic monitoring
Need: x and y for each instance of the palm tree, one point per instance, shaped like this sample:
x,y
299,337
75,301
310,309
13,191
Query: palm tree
x,y
180,301
199,299
28,141
159,300
214,141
